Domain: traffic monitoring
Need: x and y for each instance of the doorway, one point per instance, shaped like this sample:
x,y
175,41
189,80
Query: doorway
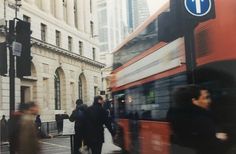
x,y
25,94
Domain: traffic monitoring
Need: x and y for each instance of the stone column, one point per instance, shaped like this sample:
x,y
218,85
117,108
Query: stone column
x,y
32,2
87,16
59,9
80,8
70,13
46,6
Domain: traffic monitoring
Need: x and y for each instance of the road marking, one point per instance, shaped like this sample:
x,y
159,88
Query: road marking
x,y
56,145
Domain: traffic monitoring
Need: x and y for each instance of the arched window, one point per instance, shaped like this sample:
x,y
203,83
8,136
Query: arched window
x,y
82,88
57,84
80,84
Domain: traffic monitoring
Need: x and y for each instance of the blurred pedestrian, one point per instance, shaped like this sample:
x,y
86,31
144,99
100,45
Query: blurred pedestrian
x,y
133,117
14,128
97,117
109,108
23,134
3,130
38,124
59,121
78,116
192,123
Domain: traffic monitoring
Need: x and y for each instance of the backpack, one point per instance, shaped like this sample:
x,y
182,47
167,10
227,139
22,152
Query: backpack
x,y
79,117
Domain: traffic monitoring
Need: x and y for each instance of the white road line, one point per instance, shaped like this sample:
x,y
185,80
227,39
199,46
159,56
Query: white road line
x,y
56,145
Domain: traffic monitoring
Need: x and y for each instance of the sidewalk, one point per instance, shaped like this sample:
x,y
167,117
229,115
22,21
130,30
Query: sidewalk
x,y
61,145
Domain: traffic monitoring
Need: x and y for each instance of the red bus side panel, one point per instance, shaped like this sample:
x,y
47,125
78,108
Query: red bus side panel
x,y
124,123
154,137
219,35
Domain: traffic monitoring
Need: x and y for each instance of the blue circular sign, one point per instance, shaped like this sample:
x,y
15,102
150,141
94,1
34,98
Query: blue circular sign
x,y
198,8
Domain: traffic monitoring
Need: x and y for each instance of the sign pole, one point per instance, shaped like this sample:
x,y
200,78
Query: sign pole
x,y
72,144
198,11
190,54
12,76
12,81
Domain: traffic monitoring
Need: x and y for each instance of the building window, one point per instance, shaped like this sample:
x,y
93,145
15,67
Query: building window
x,y
58,38
69,43
81,48
91,6
94,54
95,91
57,84
43,32
92,28
80,88
26,18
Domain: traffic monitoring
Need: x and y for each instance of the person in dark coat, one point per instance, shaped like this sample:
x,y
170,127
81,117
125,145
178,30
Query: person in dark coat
x,y
3,130
78,116
192,123
59,121
97,117
38,124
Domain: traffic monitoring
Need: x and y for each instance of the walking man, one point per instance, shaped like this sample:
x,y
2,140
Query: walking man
x,y
192,124
97,117
78,116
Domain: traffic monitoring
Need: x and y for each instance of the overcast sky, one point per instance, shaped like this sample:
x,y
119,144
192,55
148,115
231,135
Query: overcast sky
x,y
154,5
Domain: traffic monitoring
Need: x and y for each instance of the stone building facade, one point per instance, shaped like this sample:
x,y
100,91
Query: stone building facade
x,y
65,54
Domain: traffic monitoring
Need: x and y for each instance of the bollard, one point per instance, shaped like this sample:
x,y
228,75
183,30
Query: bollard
x,y
47,128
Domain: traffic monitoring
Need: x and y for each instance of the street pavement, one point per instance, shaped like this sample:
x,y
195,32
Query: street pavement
x,y
61,145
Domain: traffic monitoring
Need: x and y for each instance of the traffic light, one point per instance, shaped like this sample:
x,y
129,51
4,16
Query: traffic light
x,y
3,59
11,34
170,23
23,36
169,28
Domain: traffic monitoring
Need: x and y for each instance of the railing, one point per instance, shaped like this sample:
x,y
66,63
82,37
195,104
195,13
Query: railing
x,y
49,128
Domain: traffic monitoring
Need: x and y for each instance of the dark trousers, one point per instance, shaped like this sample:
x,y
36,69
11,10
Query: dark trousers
x,y
77,143
96,148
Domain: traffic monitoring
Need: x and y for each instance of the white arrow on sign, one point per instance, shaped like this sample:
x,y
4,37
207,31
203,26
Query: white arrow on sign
x,y
198,5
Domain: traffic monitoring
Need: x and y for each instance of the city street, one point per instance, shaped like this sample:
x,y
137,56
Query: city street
x,y
61,145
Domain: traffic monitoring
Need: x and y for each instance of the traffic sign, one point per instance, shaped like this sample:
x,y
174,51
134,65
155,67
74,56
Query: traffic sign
x,y
198,8
16,48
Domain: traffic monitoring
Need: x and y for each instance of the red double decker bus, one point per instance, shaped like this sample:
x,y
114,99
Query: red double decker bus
x,y
147,70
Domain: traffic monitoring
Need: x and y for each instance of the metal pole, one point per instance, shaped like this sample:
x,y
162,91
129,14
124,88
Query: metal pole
x,y
5,11
72,144
190,52
16,5
12,81
12,72
12,78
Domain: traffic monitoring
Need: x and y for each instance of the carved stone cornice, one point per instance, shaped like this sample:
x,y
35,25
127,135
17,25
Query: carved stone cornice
x,y
58,50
